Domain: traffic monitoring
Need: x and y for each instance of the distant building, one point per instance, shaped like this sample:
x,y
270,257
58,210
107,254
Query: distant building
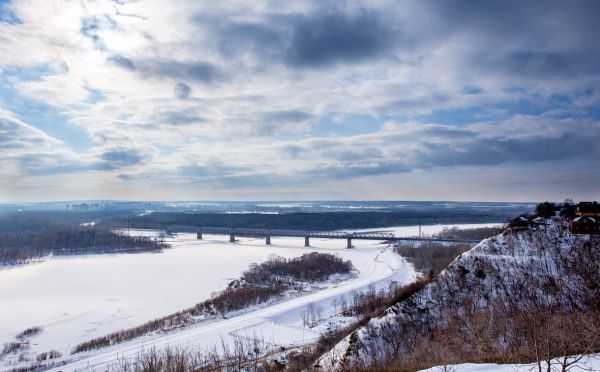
x,y
585,225
586,219
588,209
520,223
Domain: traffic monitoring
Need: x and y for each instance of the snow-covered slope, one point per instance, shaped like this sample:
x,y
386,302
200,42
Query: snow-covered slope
x,y
509,268
588,363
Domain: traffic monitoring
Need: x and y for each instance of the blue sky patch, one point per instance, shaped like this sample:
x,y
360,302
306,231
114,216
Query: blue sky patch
x,y
345,125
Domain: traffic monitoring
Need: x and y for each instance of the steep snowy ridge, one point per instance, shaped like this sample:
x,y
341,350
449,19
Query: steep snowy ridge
x,y
501,269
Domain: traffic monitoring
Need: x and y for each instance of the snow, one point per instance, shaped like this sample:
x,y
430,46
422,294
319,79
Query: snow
x,y
78,298
588,363
504,259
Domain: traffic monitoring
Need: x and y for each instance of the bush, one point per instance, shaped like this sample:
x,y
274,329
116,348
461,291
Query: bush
x,y
310,267
29,332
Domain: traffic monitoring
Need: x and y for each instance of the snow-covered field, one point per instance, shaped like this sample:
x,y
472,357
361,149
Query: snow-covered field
x,y
78,298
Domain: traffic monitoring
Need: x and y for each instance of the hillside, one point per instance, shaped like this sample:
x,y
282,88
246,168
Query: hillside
x,y
521,296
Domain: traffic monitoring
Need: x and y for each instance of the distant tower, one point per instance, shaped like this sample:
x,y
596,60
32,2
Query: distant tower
x,y
420,228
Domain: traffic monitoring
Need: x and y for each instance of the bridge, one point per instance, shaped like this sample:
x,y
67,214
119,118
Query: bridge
x,y
267,234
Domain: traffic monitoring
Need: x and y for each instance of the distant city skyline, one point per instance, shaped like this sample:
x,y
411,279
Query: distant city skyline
x,y
303,100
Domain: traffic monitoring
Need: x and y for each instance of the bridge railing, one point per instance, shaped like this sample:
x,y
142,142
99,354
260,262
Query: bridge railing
x,y
373,235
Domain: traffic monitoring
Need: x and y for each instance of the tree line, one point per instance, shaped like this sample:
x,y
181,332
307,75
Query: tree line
x,y
25,246
478,233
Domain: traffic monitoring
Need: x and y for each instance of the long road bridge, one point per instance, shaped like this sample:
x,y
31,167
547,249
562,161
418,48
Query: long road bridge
x,y
267,234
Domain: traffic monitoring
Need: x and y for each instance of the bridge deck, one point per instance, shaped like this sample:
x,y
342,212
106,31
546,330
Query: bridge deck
x,y
263,233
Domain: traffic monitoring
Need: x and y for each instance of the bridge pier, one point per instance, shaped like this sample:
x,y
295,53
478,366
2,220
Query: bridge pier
x,y
199,235
268,240
306,241
231,238
349,243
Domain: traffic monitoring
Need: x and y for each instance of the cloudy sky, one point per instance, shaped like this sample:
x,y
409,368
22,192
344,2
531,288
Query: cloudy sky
x,y
272,100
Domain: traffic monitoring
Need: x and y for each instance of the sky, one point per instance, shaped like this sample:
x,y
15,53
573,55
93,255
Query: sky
x,y
299,100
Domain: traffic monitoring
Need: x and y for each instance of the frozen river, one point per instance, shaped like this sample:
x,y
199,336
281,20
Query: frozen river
x,y
78,298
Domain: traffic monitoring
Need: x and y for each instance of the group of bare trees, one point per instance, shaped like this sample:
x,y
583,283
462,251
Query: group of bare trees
x,y
237,355
310,267
311,315
478,233
24,246
431,257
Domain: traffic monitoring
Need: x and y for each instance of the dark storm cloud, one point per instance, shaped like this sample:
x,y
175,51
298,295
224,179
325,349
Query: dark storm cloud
x,y
327,39
182,90
126,177
537,66
523,40
287,116
200,71
494,151
211,168
120,157
266,39
540,63
446,132
488,145
304,40
358,169
181,117
122,62
528,40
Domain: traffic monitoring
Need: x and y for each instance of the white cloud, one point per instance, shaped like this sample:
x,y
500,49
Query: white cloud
x,y
55,90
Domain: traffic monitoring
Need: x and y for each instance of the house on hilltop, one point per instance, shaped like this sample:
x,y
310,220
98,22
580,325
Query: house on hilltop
x,y
585,225
587,219
520,223
588,209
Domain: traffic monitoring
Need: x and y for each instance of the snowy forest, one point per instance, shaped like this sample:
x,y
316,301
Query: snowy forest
x,y
26,240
